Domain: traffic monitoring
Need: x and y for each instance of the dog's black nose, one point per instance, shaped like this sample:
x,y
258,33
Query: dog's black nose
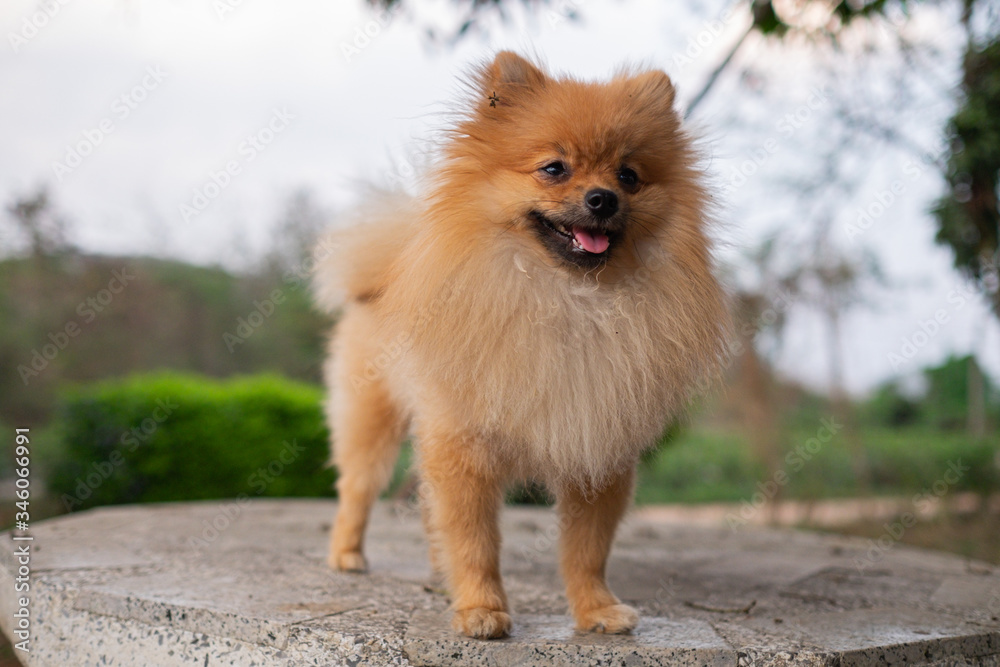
x,y
602,203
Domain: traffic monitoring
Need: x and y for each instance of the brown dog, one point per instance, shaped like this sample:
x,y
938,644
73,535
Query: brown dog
x,y
541,313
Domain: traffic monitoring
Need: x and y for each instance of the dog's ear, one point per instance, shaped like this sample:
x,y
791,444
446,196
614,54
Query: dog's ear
x,y
655,86
510,69
509,80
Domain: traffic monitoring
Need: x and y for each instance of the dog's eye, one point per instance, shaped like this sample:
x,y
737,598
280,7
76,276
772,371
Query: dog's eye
x,y
627,177
555,169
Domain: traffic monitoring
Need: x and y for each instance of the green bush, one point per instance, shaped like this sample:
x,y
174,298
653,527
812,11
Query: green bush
x,y
165,437
890,407
912,460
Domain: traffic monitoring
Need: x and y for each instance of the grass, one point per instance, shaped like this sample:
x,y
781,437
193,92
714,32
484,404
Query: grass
x,y
710,465
702,465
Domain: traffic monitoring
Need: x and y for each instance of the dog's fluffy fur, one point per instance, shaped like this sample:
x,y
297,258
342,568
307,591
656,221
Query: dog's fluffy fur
x,y
523,329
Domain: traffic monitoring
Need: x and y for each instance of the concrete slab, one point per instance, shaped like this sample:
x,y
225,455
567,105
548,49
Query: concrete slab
x,y
246,584
549,640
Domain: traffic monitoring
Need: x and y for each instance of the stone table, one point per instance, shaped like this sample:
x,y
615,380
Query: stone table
x,y
227,583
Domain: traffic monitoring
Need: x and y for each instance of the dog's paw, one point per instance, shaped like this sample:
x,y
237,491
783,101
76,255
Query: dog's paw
x,y
482,623
348,561
615,619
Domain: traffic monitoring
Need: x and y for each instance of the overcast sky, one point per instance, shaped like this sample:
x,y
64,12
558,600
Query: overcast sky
x,y
178,129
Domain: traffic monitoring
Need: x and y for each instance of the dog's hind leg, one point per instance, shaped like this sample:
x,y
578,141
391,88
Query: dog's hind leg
x,y
367,431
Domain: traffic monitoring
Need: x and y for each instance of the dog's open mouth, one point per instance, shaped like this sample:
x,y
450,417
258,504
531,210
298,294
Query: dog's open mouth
x,y
586,245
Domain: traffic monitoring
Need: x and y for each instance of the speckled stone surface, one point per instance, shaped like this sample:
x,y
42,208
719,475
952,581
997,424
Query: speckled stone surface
x,y
221,584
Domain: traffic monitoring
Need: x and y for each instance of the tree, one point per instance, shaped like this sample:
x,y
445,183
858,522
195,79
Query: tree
x,y
968,218
296,232
35,217
949,400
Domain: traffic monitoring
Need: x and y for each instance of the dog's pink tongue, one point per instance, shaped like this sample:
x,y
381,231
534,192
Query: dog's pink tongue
x,y
595,243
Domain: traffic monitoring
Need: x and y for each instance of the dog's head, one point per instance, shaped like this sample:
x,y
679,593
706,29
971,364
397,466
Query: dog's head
x,y
580,168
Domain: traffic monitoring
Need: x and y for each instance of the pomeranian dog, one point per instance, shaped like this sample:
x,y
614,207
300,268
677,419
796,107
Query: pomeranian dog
x,y
542,312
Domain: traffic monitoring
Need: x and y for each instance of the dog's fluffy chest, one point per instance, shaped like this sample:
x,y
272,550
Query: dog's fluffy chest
x,y
567,375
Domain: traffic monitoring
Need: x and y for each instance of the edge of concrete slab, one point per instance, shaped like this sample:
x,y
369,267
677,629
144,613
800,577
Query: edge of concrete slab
x,y
133,586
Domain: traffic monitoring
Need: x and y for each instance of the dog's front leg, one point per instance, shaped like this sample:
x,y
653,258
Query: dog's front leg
x,y
464,495
589,518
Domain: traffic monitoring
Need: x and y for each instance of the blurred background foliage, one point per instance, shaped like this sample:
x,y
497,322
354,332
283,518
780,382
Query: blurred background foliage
x,y
178,316
213,324
168,436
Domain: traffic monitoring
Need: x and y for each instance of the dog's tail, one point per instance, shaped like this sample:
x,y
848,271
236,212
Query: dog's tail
x,y
353,262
